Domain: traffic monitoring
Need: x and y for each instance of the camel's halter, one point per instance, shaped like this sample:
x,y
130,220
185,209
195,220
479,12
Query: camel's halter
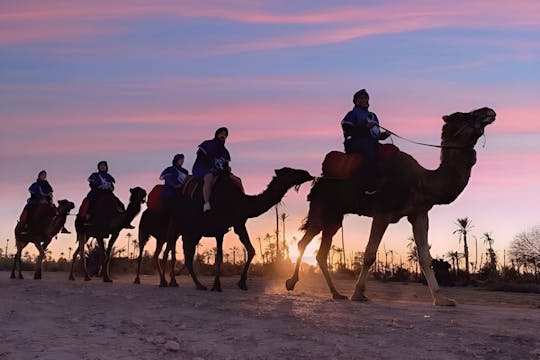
x,y
432,145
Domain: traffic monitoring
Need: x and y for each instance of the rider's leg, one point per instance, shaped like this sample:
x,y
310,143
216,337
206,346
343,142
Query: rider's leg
x,y
207,190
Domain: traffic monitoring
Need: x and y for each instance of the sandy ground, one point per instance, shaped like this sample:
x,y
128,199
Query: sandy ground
x,y
58,319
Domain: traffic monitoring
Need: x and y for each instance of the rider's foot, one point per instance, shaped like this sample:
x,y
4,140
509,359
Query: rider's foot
x,y
65,231
129,226
206,207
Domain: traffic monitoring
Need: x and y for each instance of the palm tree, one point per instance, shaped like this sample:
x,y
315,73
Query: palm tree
x,y
234,250
135,244
283,217
454,257
412,255
271,246
128,235
489,241
464,226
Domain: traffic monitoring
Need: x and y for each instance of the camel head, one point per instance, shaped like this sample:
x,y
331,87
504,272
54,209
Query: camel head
x,y
464,129
294,177
65,206
138,195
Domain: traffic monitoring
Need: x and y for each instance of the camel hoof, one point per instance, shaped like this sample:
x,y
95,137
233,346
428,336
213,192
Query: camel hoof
x,y
173,284
12,276
216,288
137,281
71,278
242,285
360,297
87,278
444,301
163,284
201,287
21,277
37,276
289,284
107,280
338,296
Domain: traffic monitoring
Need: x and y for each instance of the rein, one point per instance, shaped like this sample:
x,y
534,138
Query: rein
x,y
432,145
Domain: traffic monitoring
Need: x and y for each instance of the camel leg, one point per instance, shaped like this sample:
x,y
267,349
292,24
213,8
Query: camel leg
x,y
322,257
73,260
173,233
217,263
17,264
173,282
106,272
242,233
378,227
189,245
162,266
37,272
310,233
420,224
143,239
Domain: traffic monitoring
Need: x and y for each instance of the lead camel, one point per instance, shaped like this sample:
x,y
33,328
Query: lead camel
x,y
407,189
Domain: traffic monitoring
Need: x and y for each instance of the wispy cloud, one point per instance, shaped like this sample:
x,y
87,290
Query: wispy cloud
x,y
37,21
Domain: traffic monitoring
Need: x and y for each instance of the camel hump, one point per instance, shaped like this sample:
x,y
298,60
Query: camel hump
x,y
387,151
337,164
154,198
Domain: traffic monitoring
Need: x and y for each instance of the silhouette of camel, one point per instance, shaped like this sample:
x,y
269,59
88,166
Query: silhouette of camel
x,y
230,208
40,233
408,189
106,221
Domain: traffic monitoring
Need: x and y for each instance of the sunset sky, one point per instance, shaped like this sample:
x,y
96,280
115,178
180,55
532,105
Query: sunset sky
x,y
134,82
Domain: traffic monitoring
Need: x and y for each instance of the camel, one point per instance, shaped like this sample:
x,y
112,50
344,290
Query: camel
x,y
40,233
230,208
106,221
407,189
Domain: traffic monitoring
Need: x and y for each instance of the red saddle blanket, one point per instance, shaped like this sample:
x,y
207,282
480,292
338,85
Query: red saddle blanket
x,y
337,164
83,209
41,211
154,198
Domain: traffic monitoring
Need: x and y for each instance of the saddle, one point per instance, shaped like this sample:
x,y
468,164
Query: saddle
x,y
337,164
188,189
190,186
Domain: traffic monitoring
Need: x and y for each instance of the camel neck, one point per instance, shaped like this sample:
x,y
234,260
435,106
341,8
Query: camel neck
x,y
453,174
255,205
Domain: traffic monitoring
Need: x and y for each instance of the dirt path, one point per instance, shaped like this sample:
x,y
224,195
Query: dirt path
x,y
57,319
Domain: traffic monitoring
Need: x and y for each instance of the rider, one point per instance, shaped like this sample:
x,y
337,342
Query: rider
x,y
174,177
41,192
213,160
362,133
102,181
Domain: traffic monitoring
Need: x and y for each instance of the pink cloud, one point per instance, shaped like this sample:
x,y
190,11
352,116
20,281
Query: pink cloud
x,y
70,19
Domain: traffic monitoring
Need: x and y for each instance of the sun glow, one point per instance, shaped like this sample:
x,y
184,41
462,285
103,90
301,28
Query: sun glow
x,y
309,255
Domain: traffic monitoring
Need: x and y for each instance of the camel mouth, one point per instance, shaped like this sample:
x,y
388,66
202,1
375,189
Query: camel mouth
x,y
488,120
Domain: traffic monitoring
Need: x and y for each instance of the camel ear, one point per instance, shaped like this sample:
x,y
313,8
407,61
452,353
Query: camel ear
x,y
446,118
131,190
